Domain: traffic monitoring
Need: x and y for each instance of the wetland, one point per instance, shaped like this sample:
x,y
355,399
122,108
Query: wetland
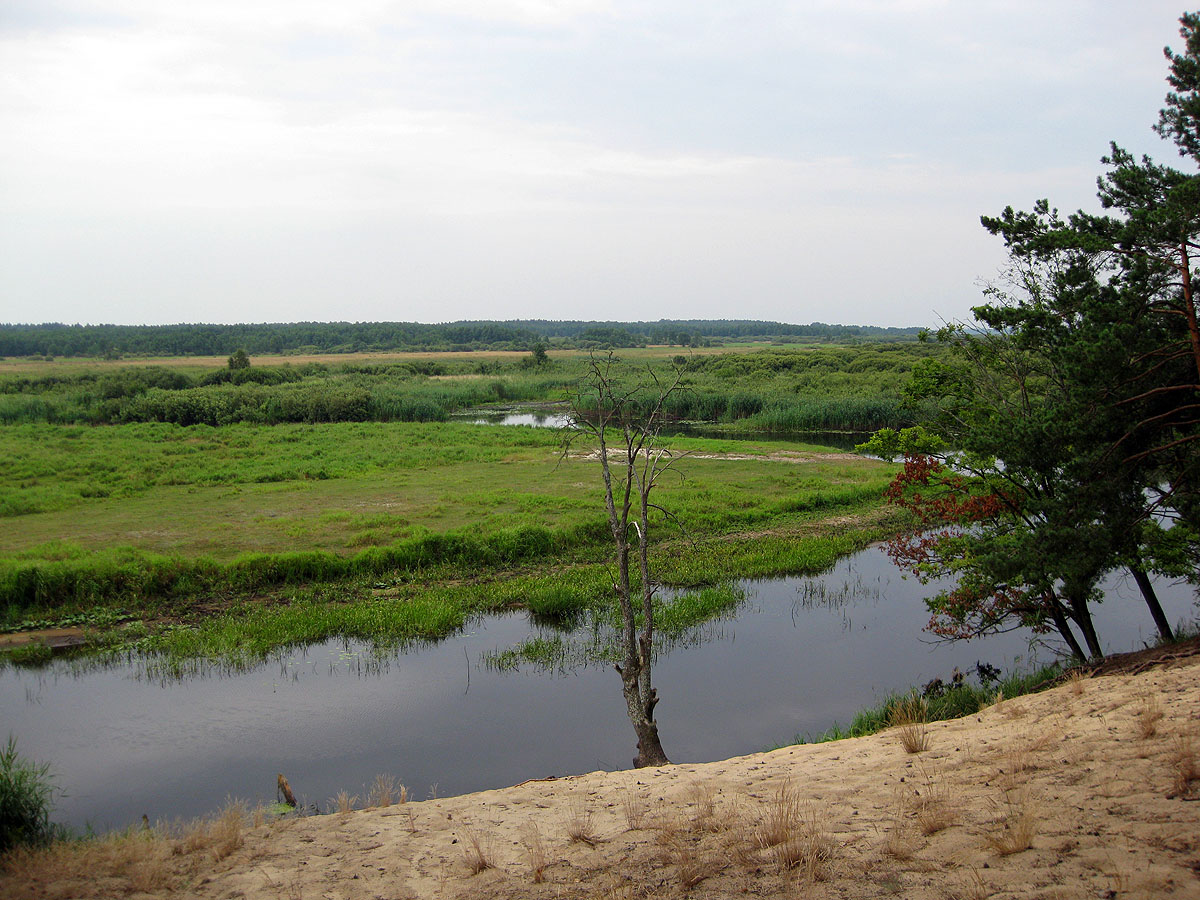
x,y
278,582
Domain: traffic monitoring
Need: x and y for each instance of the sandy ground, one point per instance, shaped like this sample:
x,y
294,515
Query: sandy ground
x,y
1089,790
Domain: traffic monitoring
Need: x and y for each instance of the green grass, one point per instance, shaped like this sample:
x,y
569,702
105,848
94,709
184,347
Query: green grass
x,y
955,702
397,497
26,800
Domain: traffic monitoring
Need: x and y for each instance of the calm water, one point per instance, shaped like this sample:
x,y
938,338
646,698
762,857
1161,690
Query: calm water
x,y
332,717
543,418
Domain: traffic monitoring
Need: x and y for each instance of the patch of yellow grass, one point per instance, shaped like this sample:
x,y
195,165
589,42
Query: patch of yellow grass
x,y
344,802
1017,824
535,853
580,829
910,719
137,860
635,808
792,834
1149,714
1185,763
385,791
478,850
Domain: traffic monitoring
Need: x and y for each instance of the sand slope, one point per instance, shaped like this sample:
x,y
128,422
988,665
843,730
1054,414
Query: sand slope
x,y
1089,768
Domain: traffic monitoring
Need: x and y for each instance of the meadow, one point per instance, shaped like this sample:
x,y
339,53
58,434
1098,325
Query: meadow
x,y
265,527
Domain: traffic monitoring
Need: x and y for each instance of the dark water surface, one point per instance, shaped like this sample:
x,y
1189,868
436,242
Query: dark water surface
x,y
800,655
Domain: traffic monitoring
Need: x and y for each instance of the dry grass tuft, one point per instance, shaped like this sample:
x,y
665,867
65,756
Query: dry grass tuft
x,y
934,806
779,823
220,836
793,837
635,809
810,850
1076,680
1011,709
344,802
691,864
1019,760
580,829
702,797
1186,764
1149,714
739,843
227,830
1018,824
535,852
478,850
975,888
385,791
910,717
900,841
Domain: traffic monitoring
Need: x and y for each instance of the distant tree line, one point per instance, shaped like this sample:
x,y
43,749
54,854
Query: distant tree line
x,y
694,331
55,339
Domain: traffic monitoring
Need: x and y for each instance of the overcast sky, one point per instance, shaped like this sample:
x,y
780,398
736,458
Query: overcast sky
x,y
433,160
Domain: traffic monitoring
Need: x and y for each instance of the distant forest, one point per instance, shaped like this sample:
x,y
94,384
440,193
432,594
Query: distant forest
x,y
357,337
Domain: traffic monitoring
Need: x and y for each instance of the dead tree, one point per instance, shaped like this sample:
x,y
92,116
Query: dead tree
x,y
613,411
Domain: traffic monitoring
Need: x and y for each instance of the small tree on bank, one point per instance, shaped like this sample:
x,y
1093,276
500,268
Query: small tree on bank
x,y
239,360
625,418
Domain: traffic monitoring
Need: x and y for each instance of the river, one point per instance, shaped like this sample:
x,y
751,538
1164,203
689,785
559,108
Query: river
x,y
799,655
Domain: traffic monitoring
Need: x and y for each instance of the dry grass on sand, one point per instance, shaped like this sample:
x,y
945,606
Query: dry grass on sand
x,y
1088,790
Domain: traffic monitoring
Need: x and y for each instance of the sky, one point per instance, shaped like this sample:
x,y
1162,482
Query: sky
x,y
231,161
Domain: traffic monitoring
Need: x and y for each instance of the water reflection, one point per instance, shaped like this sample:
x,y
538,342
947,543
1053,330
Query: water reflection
x,y
797,656
558,418
535,418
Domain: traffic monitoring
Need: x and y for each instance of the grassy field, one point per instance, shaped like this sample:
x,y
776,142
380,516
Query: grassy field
x,y
231,539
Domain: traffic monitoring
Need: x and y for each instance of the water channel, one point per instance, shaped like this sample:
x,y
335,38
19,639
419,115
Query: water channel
x,y
799,655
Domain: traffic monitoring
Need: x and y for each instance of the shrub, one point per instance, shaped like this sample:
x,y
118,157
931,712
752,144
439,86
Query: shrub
x,y
26,798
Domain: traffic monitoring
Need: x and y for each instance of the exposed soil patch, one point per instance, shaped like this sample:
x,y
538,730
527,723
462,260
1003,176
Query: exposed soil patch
x,y
54,638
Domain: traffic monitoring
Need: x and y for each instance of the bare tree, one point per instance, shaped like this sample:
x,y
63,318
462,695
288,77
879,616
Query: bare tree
x,y
614,410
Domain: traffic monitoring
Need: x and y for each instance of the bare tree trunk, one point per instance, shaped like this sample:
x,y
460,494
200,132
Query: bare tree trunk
x,y
1151,598
642,468
1064,629
1083,618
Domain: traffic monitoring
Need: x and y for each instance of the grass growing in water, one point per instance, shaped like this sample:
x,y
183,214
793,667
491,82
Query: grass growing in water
x,y
26,800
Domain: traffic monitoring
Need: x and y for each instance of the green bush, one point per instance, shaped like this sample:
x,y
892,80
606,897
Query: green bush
x,y
26,798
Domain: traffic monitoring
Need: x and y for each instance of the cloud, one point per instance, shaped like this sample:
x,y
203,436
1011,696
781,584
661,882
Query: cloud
x,y
516,146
